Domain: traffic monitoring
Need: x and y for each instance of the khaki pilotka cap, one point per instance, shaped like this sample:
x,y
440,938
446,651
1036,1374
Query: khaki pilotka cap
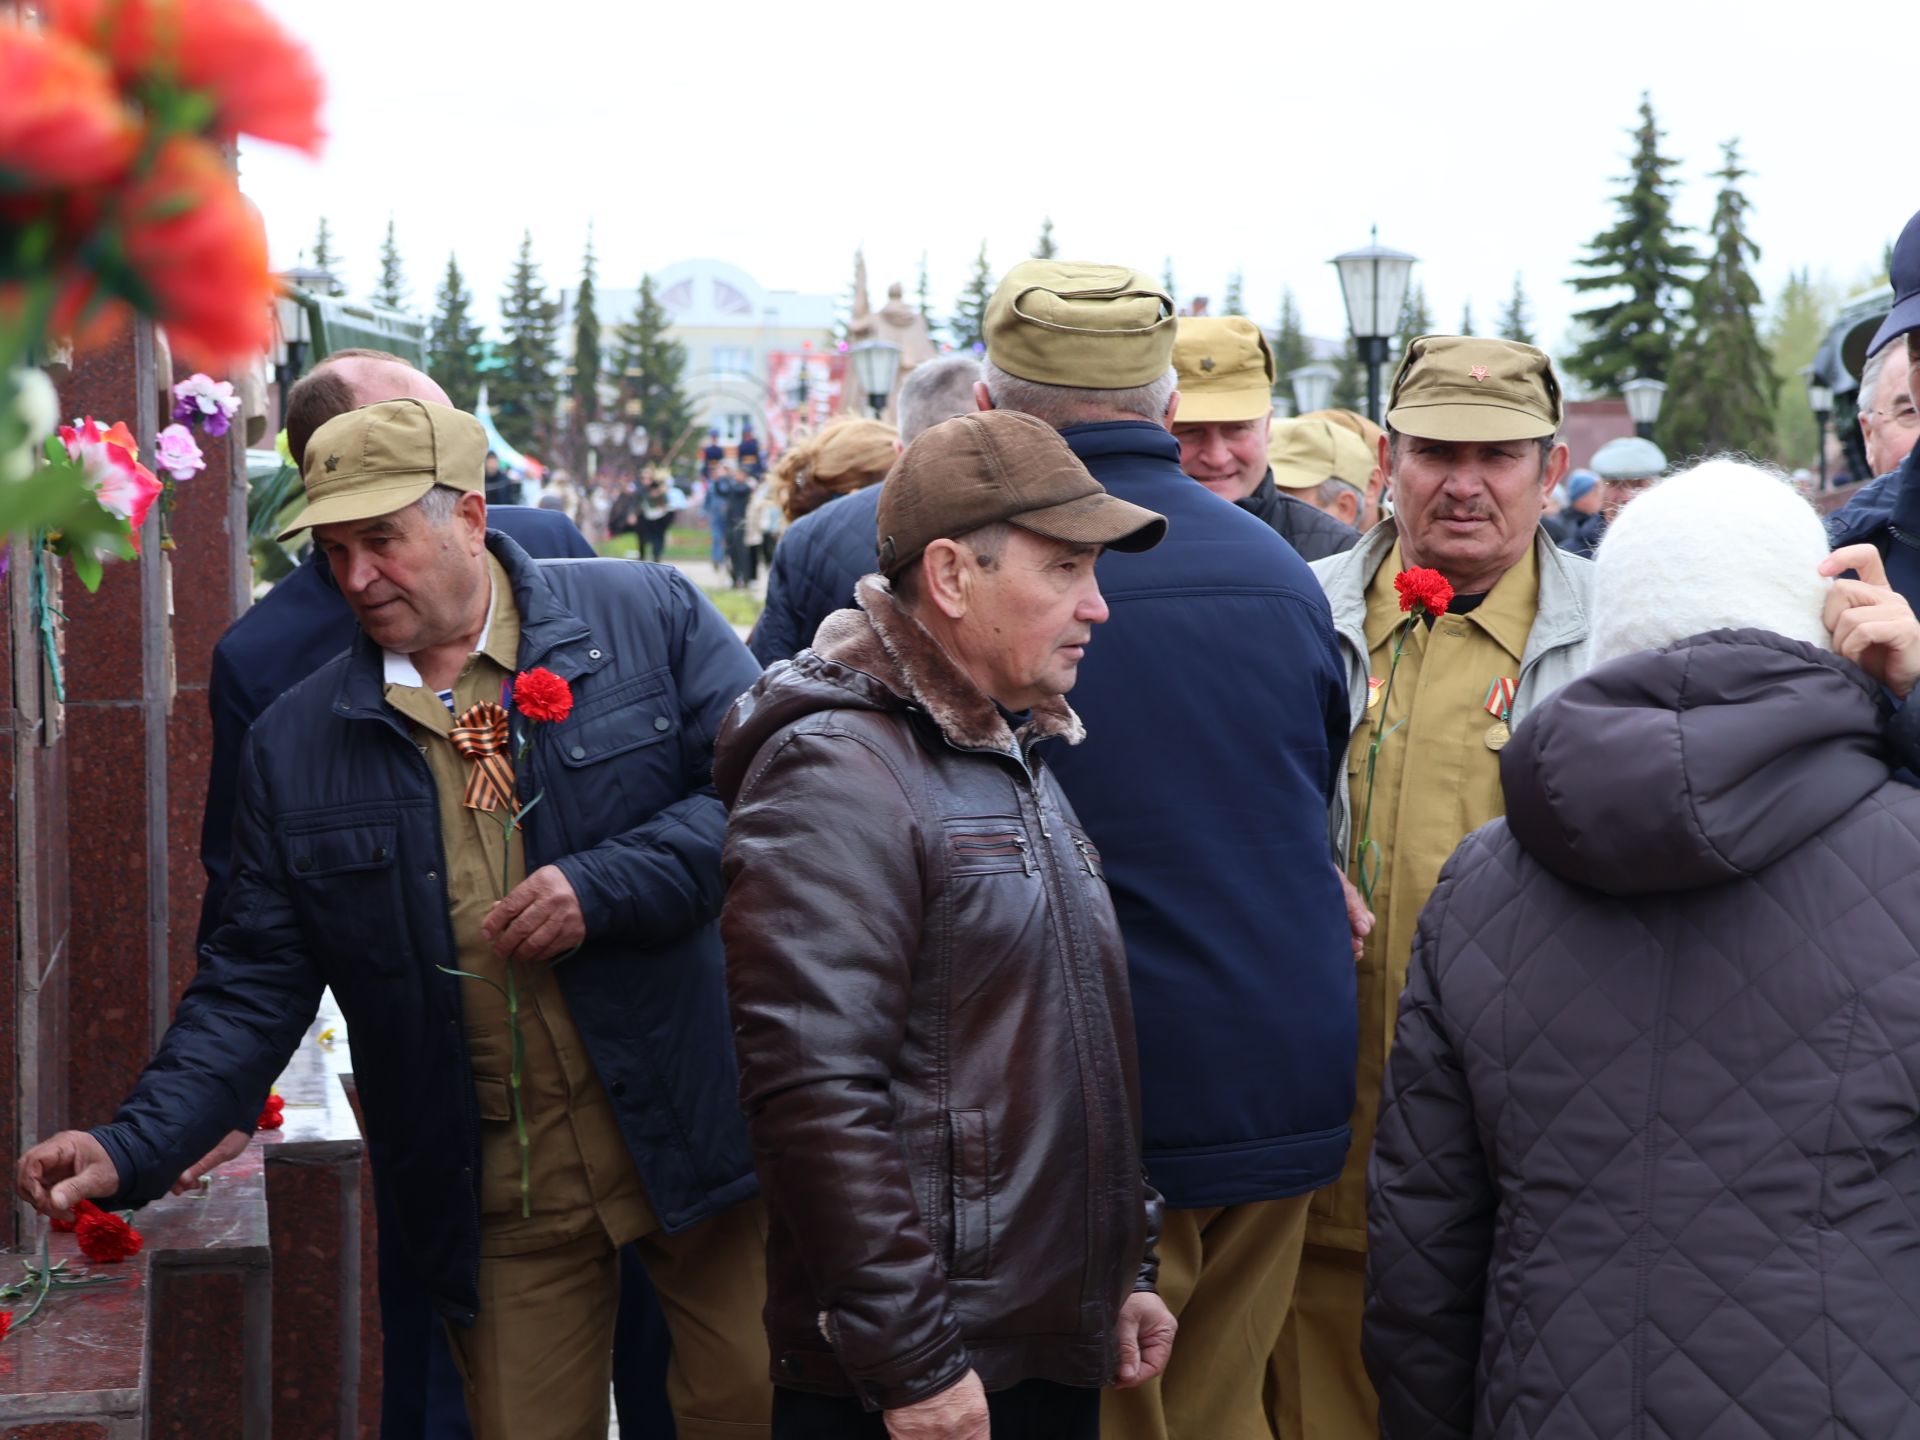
x,y
1454,387
1093,327
1000,465
381,458
1225,369
1312,450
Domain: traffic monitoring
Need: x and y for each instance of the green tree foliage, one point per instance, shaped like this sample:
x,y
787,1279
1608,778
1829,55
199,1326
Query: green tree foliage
x,y
326,258
1043,248
1798,323
1722,386
1416,319
649,368
969,324
1350,390
583,385
453,338
391,291
1290,348
1236,301
923,297
1644,254
522,390
1515,323
1466,319
1166,282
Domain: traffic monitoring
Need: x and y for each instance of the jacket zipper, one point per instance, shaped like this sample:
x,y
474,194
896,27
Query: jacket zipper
x,y
991,845
1087,853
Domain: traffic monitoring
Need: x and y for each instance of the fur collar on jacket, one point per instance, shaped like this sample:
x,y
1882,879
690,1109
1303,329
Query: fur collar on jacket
x,y
883,640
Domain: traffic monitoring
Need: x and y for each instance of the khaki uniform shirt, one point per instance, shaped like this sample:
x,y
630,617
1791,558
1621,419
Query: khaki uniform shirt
x,y
1436,781
583,1176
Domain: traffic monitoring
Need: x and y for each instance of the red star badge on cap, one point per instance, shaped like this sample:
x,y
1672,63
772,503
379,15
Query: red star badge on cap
x,y
1478,372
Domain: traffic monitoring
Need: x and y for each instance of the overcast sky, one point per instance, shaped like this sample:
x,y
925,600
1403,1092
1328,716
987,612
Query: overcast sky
x,y
1483,138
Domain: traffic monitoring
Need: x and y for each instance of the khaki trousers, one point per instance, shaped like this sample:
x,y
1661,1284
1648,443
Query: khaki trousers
x,y
539,1358
1321,1390
1228,1277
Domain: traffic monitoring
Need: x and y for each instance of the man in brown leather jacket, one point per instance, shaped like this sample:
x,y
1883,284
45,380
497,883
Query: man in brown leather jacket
x,y
929,989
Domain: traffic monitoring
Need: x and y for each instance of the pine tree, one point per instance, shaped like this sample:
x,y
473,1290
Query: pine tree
x,y
1290,348
969,324
1515,324
1166,282
1043,248
584,383
522,390
924,297
325,259
1350,390
452,339
1645,255
650,368
1235,303
1722,386
1466,318
1415,320
391,291
1801,314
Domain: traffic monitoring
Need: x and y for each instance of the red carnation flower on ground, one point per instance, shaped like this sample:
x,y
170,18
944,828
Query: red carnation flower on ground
x,y
103,1238
1423,589
272,1115
539,694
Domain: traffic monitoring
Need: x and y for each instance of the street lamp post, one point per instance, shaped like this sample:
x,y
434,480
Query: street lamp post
x,y
1643,399
1312,386
1820,401
875,364
1373,282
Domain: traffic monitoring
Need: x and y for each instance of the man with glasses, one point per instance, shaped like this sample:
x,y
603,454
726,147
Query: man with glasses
x,y
1625,467
1888,421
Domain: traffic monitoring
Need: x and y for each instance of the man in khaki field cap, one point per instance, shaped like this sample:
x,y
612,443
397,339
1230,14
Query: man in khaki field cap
x,y
1215,707
1471,455
1226,410
370,856
1324,464
1373,511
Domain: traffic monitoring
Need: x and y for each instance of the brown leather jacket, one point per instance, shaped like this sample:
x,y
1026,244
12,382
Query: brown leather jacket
x,y
931,1011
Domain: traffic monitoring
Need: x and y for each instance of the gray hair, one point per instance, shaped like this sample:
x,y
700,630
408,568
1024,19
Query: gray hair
x,y
987,542
1064,405
1868,399
436,506
938,390
1332,488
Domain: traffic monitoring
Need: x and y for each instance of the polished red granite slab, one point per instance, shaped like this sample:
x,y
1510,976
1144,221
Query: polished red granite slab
x,y
85,1354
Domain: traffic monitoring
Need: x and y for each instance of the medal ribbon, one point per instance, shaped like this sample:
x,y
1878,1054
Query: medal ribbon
x,y
1500,696
482,735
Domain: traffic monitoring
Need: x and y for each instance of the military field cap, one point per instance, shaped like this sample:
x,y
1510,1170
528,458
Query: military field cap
x,y
1225,369
1000,465
1095,327
1312,450
381,458
1370,434
1456,387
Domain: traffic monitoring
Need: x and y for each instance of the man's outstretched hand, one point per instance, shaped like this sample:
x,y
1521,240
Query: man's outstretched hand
x,y
59,1173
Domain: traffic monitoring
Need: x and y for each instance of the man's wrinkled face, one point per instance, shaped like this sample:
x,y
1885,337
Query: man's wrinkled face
x,y
1469,509
412,585
1229,457
1029,617
1888,420
1616,495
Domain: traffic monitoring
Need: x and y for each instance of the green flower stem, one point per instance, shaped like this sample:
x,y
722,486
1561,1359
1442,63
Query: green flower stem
x,y
1366,850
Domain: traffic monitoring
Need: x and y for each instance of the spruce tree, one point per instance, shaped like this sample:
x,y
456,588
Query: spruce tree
x,y
1515,324
521,391
1290,348
1644,254
1415,320
924,296
1801,314
1721,385
325,258
1166,282
584,386
1043,248
1350,390
1236,302
969,324
452,340
1466,318
391,291
650,367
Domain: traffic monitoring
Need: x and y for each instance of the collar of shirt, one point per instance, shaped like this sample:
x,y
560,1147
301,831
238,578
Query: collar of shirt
x,y
399,669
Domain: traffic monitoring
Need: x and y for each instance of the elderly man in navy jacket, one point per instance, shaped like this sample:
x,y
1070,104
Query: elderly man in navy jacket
x,y
1216,715
524,1146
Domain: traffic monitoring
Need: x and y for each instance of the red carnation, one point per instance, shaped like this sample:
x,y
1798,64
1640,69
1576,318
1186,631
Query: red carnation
x,y
1423,590
6,1323
539,694
271,1115
104,1238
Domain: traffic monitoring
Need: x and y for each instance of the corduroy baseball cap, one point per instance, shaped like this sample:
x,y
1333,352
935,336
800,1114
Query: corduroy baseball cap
x,y
1457,387
1093,327
381,458
1312,450
1000,465
1225,369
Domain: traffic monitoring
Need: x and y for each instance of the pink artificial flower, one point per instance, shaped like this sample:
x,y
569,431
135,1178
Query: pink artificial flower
x,y
201,400
110,461
178,453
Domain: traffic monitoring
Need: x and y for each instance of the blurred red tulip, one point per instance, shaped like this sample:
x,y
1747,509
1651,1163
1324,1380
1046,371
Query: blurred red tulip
x,y
63,122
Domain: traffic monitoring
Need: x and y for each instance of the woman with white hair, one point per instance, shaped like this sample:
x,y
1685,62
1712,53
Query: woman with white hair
x,y
1649,1149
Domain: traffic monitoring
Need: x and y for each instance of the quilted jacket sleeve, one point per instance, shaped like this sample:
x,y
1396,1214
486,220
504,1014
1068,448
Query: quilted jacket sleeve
x,y
1430,1207
661,879
822,926
776,634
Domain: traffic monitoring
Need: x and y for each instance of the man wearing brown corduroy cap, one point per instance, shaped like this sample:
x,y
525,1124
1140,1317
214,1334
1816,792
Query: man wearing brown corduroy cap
x,y
929,990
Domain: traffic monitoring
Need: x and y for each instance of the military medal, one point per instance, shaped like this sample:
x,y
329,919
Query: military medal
x,y
1374,686
1499,704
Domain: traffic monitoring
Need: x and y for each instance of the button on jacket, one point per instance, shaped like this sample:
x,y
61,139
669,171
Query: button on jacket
x,y
936,1047
338,880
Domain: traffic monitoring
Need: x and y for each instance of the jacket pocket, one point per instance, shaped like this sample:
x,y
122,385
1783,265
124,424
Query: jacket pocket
x,y
989,845
490,1092
632,717
343,875
1087,853
972,1195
